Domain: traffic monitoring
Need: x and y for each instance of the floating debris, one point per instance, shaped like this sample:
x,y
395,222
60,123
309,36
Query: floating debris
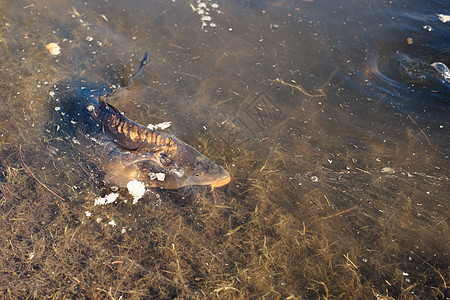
x,y
206,18
161,126
443,70
204,9
427,28
53,48
444,18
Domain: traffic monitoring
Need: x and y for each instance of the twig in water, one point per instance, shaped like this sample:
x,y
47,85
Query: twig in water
x,y
414,122
336,214
442,277
299,88
346,256
31,173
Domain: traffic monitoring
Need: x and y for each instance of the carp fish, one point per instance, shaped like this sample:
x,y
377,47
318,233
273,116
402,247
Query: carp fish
x,y
125,149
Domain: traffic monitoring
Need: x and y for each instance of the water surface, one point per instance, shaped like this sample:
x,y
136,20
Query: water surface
x,y
330,118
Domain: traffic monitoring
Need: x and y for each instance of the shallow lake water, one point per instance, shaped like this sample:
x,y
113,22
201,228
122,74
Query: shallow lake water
x,y
331,117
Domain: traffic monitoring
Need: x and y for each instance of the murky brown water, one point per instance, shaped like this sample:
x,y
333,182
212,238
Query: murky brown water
x,y
338,151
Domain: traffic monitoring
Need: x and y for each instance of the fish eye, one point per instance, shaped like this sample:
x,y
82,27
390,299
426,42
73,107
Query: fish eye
x,y
196,173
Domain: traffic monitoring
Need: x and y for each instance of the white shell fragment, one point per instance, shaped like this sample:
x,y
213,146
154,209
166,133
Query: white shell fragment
x,y
161,126
53,48
110,198
136,189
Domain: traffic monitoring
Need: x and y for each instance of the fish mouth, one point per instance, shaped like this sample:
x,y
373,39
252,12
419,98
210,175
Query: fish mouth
x,y
225,179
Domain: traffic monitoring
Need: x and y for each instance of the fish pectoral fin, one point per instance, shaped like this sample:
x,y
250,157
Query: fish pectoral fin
x,y
120,176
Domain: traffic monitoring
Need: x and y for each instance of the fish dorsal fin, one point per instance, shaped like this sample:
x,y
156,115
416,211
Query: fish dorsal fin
x,y
104,104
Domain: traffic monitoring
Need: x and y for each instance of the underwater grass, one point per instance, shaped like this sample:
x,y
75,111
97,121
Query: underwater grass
x,y
262,237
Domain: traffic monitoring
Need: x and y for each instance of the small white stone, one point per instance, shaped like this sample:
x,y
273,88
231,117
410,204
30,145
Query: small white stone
x,y
160,176
112,223
87,213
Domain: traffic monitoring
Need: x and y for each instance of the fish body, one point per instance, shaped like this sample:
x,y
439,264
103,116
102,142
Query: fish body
x,y
127,150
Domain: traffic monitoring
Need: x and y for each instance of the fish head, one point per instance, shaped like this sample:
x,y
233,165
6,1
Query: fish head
x,y
186,167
